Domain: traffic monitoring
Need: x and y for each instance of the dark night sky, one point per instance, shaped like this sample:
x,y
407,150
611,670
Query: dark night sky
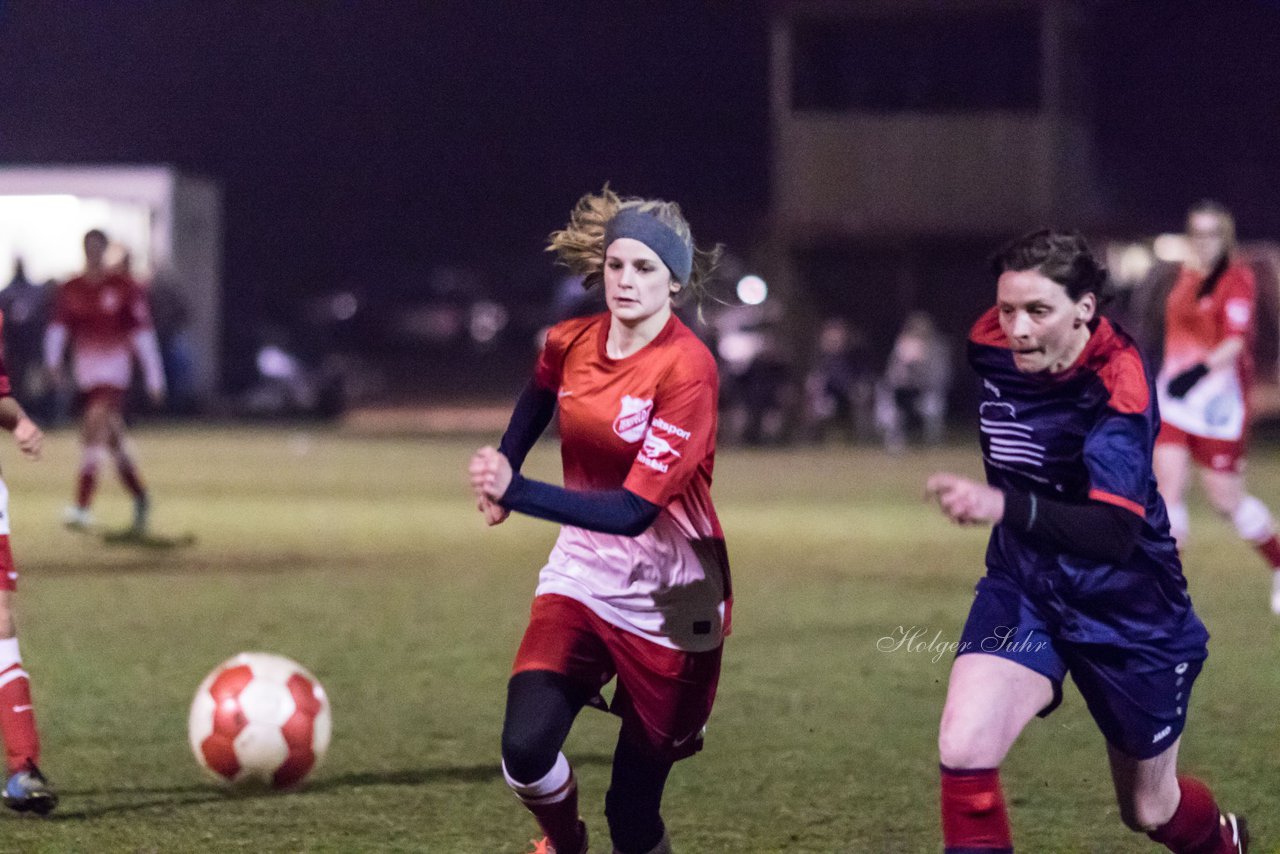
x,y
359,141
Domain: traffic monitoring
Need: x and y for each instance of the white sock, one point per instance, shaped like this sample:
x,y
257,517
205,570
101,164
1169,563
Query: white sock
x,y
1253,520
553,787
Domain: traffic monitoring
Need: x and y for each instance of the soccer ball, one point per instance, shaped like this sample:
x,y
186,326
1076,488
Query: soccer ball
x,y
259,718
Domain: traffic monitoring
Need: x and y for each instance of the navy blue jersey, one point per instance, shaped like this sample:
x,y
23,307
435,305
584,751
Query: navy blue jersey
x,y
1084,434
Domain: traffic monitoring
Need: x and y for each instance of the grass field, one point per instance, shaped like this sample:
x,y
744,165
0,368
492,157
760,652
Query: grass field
x,y
363,559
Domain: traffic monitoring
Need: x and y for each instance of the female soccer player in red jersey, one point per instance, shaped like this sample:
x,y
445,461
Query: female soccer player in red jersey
x,y
637,585
26,790
1204,384
1082,574
105,315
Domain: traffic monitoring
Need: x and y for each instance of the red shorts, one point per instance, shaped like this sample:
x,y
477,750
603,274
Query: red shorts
x,y
664,695
1224,455
102,395
8,572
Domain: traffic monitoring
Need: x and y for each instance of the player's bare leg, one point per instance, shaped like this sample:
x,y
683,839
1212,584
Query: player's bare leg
x,y
1178,812
1172,466
121,450
26,790
95,431
1251,518
989,702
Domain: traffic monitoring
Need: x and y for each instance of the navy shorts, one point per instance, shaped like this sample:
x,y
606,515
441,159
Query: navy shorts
x,y
1139,706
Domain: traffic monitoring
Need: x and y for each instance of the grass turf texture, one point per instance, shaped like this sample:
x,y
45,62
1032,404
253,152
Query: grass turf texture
x,y
363,559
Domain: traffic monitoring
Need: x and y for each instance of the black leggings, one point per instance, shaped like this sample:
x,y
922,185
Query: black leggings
x,y
541,707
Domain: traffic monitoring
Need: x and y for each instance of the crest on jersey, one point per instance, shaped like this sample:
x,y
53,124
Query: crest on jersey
x,y
109,301
633,418
1009,441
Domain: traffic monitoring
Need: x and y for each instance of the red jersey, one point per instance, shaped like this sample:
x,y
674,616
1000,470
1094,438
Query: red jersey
x,y
646,422
106,318
1194,326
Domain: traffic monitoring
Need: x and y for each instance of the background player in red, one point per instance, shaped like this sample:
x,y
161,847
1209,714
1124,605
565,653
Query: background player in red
x,y
1204,386
105,316
637,585
27,789
1082,574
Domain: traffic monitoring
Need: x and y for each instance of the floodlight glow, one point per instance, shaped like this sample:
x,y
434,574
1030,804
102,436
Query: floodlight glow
x,y
47,231
1135,263
752,290
1171,247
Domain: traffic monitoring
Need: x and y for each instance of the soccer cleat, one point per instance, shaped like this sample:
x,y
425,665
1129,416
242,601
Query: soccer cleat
x,y
77,518
29,791
1239,831
141,514
544,846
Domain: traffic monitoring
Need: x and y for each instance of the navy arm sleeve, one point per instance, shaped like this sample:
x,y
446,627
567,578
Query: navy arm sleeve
x,y
1095,530
608,511
531,415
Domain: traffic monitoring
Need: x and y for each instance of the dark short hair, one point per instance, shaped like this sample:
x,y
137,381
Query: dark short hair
x,y
1062,256
96,233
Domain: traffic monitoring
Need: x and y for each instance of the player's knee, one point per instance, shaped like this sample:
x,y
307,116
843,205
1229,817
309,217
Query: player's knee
x,y
92,457
963,747
1143,813
528,753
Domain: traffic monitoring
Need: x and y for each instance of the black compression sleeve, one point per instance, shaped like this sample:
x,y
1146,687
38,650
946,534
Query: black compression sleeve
x,y
609,511
531,415
1095,530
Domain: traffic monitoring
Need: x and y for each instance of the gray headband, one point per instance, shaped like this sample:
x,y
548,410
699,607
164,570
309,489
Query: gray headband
x,y
675,251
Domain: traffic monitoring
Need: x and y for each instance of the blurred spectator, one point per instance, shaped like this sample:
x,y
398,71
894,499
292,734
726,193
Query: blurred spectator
x,y
288,386
172,319
915,384
839,389
25,307
756,378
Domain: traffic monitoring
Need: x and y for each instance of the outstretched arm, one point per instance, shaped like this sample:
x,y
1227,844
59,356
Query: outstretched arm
x,y
1095,529
608,511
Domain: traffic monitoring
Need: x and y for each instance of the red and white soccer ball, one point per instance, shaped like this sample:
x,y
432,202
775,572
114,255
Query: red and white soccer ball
x,y
260,718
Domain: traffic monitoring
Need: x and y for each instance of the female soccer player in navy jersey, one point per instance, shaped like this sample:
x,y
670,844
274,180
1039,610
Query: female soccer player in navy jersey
x,y
637,585
1082,574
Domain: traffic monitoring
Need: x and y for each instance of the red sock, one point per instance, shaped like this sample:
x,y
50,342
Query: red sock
x,y
85,486
559,818
974,818
1270,550
130,477
1196,826
17,720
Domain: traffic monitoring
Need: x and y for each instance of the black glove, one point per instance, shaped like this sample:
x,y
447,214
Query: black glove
x,y
1182,383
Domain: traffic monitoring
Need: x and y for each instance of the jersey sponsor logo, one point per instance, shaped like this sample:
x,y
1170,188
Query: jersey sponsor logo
x,y
1008,440
1164,733
109,301
655,446
633,418
668,427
